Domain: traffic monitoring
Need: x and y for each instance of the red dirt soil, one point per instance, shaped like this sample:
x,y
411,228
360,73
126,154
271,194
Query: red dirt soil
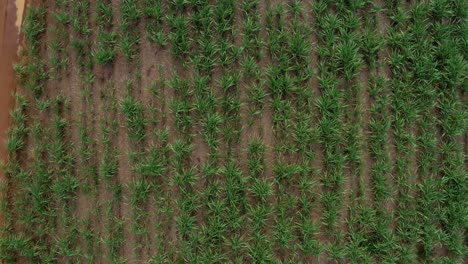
x,y
9,41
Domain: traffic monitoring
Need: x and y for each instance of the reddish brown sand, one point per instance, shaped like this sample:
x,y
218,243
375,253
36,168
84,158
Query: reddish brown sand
x,y
9,42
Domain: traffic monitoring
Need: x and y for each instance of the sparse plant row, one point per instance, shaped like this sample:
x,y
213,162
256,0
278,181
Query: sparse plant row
x,y
47,188
430,184
14,209
423,68
32,73
359,204
113,237
260,246
43,217
233,181
161,156
86,151
230,104
210,50
301,135
221,226
339,66
451,216
179,39
146,165
34,205
39,216
370,236
379,125
425,60
133,111
81,34
154,12
204,59
86,232
104,51
252,55
282,236
64,184
211,120
293,106
181,106
80,39
408,91
19,132
405,146
224,197
139,196
59,61
185,240
229,81
129,38
370,219
185,177
149,170
206,114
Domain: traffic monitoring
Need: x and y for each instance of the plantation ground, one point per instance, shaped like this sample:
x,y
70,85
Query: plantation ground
x,y
10,22
252,131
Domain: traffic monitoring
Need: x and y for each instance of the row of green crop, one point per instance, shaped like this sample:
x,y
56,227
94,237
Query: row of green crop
x,y
59,60
292,99
15,243
33,72
104,51
113,237
338,65
35,179
373,237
